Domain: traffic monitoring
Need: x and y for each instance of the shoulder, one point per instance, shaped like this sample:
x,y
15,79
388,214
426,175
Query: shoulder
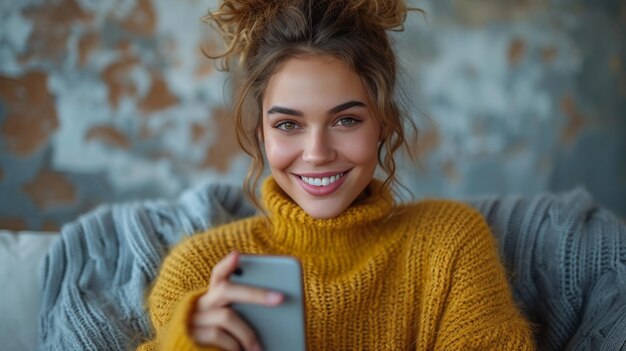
x,y
450,213
444,220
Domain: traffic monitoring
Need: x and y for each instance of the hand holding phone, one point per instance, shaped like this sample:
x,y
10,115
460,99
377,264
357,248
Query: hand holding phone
x,y
215,323
280,327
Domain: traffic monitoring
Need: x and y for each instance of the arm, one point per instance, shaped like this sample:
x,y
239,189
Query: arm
x,y
171,300
479,312
191,313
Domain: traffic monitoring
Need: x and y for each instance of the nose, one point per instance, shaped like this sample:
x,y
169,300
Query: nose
x,y
318,148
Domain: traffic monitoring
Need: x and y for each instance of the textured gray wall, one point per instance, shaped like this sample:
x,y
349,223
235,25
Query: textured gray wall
x,y
112,100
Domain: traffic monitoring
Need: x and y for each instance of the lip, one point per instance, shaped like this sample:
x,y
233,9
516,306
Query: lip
x,y
321,190
321,174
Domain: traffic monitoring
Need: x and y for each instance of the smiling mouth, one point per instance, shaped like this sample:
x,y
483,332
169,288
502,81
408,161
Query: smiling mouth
x,y
323,181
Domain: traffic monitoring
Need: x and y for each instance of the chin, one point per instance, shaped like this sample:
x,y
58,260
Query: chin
x,y
322,212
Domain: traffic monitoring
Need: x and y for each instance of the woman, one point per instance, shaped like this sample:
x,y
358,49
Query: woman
x,y
319,86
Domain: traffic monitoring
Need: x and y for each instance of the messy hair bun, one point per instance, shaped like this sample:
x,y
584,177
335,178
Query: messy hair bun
x,y
242,22
263,34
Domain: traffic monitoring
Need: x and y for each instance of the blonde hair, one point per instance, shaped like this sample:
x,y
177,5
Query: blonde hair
x,y
260,35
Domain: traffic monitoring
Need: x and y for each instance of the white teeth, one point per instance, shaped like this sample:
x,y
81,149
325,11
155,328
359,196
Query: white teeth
x,y
322,181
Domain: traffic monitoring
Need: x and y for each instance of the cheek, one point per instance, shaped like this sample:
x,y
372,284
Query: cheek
x,y
280,152
361,148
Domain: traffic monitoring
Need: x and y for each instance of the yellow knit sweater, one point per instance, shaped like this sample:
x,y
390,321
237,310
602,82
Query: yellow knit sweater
x,y
424,276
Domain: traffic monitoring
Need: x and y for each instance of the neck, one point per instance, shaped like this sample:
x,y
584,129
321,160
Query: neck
x,y
294,231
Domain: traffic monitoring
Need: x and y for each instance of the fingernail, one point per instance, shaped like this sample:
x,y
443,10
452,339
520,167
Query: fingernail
x,y
274,297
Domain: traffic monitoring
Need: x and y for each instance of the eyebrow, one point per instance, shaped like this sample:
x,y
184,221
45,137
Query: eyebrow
x,y
297,113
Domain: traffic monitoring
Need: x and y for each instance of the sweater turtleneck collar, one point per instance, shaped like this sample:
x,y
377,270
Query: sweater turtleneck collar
x,y
295,231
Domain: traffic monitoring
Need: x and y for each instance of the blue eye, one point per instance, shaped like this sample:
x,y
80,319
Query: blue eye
x,y
348,122
286,125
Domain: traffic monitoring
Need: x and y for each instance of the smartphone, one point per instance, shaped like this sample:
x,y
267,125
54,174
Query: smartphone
x,y
279,327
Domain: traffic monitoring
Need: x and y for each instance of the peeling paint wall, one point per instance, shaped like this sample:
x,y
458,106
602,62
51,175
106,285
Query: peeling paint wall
x,y
523,97
112,101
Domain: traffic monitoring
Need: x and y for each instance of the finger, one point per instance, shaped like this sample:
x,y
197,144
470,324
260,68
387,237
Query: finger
x,y
229,321
213,336
227,293
224,268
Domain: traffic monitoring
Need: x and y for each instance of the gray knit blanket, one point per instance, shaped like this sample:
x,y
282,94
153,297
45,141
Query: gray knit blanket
x,y
566,258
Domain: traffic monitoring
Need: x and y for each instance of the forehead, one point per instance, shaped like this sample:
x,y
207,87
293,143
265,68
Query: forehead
x,y
313,81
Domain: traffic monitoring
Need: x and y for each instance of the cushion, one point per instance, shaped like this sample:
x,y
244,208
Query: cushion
x,y
21,255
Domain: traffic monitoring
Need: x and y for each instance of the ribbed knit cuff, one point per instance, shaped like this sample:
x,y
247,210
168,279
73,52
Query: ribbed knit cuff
x,y
176,335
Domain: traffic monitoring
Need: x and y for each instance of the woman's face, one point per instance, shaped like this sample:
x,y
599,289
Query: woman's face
x,y
321,138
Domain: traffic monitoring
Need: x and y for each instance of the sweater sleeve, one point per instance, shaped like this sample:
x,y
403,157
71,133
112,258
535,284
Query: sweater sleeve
x,y
172,299
479,312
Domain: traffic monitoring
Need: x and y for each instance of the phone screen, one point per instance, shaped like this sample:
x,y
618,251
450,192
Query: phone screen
x,y
279,327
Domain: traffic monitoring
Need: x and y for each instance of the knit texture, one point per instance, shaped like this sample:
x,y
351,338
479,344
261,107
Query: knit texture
x,y
96,274
543,240
426,276
568,258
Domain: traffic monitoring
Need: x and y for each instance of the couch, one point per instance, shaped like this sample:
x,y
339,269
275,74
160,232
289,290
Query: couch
x,y
83,288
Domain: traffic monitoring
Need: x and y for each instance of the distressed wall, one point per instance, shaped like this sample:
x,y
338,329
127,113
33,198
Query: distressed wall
x,y
106,101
